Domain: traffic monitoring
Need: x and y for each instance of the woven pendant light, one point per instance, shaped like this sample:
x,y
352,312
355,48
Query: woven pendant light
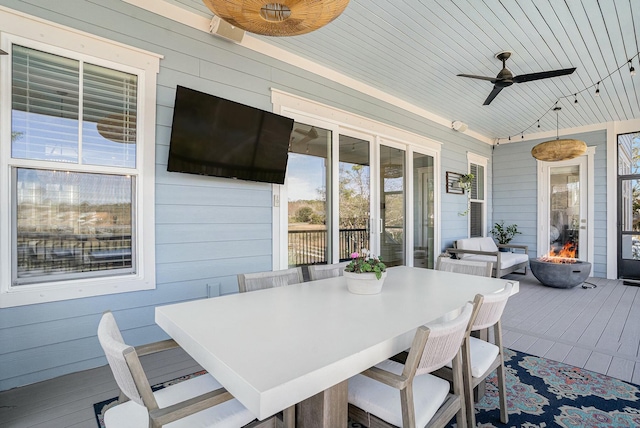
x,y
119,128
279,17
558,149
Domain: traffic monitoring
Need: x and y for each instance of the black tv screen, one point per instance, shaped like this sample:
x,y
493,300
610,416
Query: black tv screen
x,y
214,136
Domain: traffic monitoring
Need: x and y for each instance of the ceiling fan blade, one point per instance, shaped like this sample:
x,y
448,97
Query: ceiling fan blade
x,y
493,94
542,75
473,76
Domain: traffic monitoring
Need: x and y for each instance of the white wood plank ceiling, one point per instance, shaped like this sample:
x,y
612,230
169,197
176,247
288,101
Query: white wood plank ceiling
x,y
414,50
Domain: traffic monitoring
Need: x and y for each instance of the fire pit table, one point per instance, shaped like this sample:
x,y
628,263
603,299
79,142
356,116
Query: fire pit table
x,y
560,274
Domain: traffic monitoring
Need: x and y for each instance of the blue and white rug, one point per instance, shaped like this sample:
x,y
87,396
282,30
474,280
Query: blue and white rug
x,y
541,393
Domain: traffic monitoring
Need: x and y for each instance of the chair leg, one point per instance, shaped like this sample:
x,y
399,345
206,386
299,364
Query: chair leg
x,y
460,388
467,385
502,384
408,411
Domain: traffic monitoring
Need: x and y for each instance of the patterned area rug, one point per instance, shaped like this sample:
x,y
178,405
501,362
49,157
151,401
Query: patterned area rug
x,y
541,394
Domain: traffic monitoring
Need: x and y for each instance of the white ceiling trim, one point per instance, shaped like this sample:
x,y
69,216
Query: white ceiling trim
x,y
193,20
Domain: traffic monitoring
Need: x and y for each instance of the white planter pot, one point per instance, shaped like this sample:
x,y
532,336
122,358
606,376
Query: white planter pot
x,y
364,283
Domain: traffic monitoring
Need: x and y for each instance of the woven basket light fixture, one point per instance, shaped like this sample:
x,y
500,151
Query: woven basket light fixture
x,y
558,149
119,128
278,17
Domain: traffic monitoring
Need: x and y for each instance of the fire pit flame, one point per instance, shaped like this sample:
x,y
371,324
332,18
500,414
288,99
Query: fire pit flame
x,y
566,255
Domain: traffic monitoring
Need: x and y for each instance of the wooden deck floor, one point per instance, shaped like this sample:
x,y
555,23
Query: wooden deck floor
x,y
597,329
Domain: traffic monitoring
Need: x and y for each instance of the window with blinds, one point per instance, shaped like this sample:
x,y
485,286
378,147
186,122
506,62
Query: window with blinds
x,y
74,212
477,200
66,110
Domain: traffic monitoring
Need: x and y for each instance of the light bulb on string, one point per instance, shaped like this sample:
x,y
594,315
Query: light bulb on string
x,y
632,70
598,89
538,123
575,98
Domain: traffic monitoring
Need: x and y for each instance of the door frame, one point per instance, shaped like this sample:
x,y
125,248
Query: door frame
x,y
343,122
544,202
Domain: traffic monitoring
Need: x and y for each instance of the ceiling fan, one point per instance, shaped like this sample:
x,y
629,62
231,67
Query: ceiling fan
x,y
309,135
506,78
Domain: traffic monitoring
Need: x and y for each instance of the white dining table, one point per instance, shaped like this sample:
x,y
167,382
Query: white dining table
x,y
299,343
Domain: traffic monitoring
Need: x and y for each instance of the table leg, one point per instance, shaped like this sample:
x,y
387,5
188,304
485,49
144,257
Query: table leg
x,y
327,409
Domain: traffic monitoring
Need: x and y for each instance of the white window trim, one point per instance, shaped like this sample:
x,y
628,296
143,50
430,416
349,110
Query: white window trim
x,y
476,159
343,122
55,38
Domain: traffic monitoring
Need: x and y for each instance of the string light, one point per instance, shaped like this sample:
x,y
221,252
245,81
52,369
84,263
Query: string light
x,y
632,72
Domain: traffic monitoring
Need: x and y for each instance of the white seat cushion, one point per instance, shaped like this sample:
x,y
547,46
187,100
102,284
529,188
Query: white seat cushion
x,y
482,355
429,392
476,244
468,244
506,259
230,414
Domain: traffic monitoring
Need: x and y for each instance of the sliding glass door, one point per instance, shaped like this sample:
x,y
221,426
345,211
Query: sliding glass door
x,y
423,210
347,190
354,181
308,184
392,205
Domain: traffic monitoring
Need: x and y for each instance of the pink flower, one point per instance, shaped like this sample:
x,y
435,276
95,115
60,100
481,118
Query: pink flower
x,y
355,255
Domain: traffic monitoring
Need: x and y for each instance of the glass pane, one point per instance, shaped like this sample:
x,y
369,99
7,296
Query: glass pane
x,y
354,196
631,247
308,172
423,213
477,186
392,205
44,99
72,225
630,205
475,219
629,153
109,117
565,210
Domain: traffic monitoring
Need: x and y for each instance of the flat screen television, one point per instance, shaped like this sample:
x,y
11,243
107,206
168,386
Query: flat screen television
x,y
215,136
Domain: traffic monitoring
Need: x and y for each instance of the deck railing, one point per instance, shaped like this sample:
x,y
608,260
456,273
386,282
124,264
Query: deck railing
x,y
48,253
307,247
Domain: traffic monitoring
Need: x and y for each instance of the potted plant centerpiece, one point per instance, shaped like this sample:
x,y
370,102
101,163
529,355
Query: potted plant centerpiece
x,y
365,273
504,234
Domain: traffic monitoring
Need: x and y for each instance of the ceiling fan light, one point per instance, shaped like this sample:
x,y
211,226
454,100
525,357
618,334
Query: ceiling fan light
x,y
277,17
559,150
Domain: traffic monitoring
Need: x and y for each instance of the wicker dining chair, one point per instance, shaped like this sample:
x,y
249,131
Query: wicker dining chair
x,y
481,357
326,271
200,401
391,394
261,280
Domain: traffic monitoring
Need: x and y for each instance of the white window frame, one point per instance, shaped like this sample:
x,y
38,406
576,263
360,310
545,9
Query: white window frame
x,y
482,161
44,35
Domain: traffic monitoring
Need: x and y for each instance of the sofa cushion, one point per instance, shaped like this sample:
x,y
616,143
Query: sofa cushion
x,y
476,244
506,259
